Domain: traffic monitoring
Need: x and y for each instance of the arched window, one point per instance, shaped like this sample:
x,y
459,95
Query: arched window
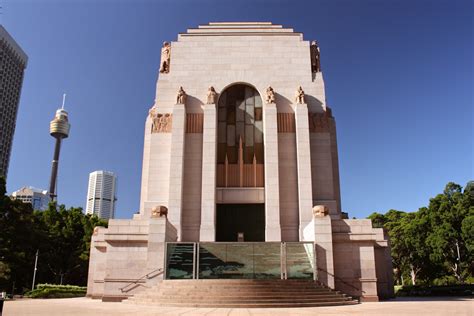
x,y
240,118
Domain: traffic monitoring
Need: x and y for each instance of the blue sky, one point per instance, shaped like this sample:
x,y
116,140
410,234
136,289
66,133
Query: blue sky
x,y
399,78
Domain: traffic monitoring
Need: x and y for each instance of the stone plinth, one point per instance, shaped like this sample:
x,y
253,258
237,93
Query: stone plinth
x,y
127,257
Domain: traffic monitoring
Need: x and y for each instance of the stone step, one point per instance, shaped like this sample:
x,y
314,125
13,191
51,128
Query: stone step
x,y
252,287
257,305
242,300
242,297
233,282
241,293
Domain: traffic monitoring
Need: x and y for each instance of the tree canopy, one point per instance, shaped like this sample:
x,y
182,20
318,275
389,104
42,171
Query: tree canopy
x,y
61,236
436,243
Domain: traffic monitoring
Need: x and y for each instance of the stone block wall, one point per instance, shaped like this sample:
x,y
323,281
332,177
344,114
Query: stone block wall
x,y
123,254
360,257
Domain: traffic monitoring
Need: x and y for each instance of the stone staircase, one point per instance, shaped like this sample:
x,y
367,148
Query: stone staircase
x,y
241,293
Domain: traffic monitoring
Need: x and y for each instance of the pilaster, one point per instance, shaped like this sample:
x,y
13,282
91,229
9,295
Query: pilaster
x,y
303,154
272,182
176,167
208,195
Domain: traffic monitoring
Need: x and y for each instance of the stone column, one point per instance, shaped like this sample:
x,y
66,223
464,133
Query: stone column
x,y
272,191
175,201
303,155
208,193
324,248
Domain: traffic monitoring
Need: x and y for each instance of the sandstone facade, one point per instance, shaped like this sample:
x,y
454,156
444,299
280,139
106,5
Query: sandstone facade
x,y
199,157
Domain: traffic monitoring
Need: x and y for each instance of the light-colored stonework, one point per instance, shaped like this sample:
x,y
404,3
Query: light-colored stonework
x,y
278,148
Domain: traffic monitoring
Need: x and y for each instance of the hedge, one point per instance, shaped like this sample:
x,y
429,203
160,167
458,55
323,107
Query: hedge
x,y
57,291
439,290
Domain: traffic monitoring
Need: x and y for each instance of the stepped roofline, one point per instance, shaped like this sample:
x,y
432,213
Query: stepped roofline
x,y
239,29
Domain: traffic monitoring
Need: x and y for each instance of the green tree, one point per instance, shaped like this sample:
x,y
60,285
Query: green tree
x,y
61,235
17,242
65,235
447,212
436,241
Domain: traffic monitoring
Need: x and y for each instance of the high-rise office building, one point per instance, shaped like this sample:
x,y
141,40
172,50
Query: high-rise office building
x,y
39,199
101,194
13,62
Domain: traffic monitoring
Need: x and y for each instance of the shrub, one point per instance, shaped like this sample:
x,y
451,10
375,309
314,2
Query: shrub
x,y
57,291
446,290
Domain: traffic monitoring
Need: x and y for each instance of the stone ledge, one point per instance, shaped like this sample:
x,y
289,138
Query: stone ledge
x,y
126,237
343,237
114,298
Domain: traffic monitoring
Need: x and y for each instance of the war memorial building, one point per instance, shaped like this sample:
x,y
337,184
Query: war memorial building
x,y
240,179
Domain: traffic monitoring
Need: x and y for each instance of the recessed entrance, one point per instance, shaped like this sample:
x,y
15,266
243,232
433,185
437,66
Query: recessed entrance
x,y
232,219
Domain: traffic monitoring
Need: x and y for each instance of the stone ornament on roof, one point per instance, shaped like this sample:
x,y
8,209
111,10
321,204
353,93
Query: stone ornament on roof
x,y
165,58
315,57
270,95
320,211
96,230
211,95
181,97
299,96
159,211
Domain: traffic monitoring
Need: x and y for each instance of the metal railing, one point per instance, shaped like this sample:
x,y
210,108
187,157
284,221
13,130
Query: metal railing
x,y
342,281
137,282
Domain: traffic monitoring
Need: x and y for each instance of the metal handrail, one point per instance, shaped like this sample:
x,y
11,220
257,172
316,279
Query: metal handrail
x,y
348,284
146,276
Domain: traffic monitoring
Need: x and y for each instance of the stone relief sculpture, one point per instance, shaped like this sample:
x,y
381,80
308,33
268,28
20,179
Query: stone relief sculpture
x,y
165,57
299,96
159,211
161,122
270,95
320,211
211,95
315,57
181,97
320,122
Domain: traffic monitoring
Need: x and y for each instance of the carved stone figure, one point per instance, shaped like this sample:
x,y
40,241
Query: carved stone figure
x,y
165,58
320,211
181,97
211,95
159,211
161,122
315,57
270,95
299,96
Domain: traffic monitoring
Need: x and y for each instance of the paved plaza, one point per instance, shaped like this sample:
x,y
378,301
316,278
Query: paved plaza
x,y
84,306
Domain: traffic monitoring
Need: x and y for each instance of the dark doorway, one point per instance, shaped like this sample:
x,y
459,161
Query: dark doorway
x,y
246,218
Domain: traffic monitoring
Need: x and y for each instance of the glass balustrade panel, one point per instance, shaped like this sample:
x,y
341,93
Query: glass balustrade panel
x,y
179,260
300,260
